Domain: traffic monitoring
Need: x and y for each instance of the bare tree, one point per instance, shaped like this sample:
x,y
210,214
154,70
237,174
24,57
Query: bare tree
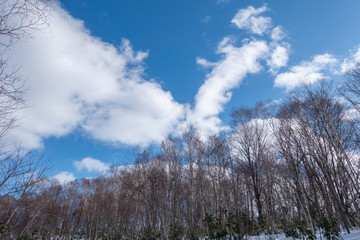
x,y
18,20
20,173
315,139
251,148
21,177
351,87
350,90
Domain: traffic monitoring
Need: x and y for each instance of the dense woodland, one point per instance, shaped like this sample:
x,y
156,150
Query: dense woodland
x,y
292,167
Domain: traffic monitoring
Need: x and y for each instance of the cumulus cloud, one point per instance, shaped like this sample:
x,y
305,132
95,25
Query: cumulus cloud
x,y
227,74
279,57
250,20
64,177
236,62
352,113
305,73
91,165
349,63
277,34
77,81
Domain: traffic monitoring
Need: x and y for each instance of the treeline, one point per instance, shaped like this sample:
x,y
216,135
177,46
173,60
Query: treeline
x,y
292,168
296,171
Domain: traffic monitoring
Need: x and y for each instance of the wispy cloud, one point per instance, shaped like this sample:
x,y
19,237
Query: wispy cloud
x,y
223,1
205,63
306,72
206,19
250,20
226,74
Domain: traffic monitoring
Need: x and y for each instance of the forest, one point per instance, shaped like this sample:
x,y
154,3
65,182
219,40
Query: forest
x,y
291,167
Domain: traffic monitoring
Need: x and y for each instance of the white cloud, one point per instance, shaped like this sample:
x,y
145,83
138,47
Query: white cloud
x,y
77,81
349,63
249,19
236,63
64,177
278,58
306,73
352,113
227,74
277,34
204,63
91,165
258,128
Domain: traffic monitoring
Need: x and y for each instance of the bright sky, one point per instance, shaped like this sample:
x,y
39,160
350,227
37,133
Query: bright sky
x,y
112,75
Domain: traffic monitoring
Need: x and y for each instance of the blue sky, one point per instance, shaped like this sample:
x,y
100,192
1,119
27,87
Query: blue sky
x,y
110,76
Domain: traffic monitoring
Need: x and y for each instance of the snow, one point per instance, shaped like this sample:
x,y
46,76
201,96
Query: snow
x,y
354,235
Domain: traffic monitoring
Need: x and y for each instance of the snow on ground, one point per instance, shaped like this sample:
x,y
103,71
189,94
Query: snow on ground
x,y
354,235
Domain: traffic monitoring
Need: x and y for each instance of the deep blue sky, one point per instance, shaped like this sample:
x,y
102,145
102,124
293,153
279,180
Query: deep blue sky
x,y
174,34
